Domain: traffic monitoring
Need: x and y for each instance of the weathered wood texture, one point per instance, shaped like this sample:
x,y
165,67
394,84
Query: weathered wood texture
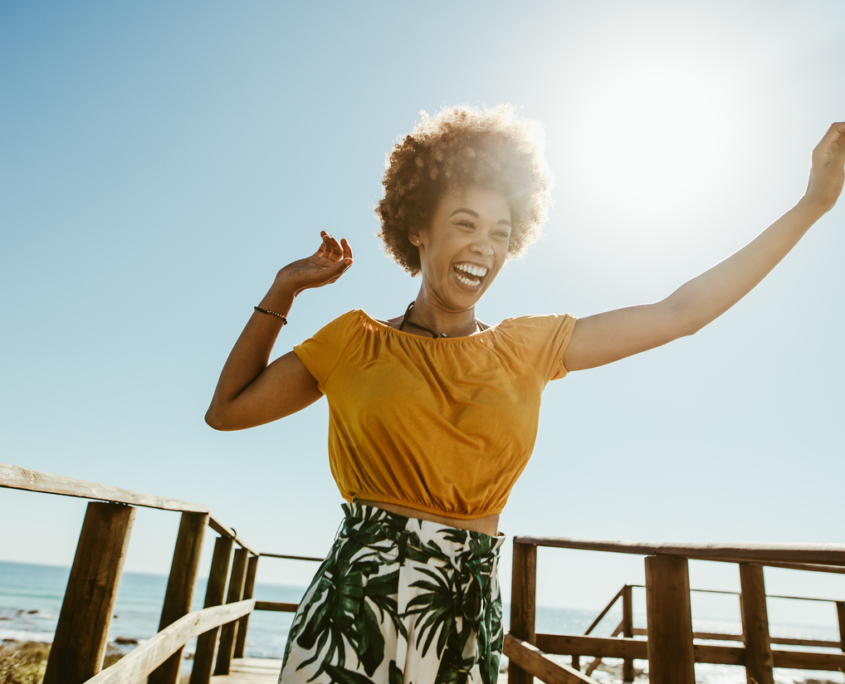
x,y
302,558
530,659
605,647
156,650
808,660
214,592
224,531
249,590
237,580
601,647
833,554
15,477
628,629
597,661
523,604
180,587
277,606
79,643
251,671
670,652
786,641
755,625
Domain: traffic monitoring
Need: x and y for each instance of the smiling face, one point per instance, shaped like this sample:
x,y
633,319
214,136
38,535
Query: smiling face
x,y
465,246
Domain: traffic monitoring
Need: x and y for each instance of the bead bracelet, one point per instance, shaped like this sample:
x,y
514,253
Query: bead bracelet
x,y
272,313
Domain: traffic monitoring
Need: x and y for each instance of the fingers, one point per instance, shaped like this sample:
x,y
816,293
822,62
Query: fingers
x,y
334,250
835,136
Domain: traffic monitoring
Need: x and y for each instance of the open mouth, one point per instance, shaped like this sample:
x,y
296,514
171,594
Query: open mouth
x,y
469,274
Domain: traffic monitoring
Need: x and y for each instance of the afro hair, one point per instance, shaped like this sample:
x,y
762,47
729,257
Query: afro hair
x,y
459,147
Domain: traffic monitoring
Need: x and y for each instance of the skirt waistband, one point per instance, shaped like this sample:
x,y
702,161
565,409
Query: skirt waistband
x,y
420,535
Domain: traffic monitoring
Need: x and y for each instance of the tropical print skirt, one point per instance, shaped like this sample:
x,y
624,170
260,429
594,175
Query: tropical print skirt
x,y
399,601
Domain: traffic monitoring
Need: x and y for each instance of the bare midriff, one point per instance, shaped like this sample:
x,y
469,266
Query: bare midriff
x,y
486,525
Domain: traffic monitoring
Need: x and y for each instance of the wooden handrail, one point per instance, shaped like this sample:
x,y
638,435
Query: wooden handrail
x,y
15,477
784,641
538,664
811,554
277,606
604,612
153,652
737,593
283,555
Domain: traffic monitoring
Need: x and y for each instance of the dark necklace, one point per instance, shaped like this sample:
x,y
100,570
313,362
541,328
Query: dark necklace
x,y
435,335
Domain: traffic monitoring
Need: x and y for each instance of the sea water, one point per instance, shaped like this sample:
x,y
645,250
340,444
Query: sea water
x,y
31,599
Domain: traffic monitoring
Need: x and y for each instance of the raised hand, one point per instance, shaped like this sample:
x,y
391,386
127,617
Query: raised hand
x,y
826,174
331,260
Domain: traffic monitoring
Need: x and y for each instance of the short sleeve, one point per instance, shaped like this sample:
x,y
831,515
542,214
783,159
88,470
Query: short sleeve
x,y
321,353
547,338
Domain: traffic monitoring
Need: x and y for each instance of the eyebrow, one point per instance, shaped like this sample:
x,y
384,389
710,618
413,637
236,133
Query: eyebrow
x,y
465,210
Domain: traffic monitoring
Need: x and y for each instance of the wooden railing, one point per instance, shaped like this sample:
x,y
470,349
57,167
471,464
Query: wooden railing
x,y
79,644
669,646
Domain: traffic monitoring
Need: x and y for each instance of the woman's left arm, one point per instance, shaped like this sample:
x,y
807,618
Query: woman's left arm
x,y
607,337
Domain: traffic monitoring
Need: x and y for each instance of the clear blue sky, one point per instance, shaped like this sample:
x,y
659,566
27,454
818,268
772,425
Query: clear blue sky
x,y
159,162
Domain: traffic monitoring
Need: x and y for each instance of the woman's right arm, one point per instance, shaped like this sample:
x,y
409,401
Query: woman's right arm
x,y
250,392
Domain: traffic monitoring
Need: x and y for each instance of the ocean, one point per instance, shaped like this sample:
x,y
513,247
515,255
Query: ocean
x,y
31,598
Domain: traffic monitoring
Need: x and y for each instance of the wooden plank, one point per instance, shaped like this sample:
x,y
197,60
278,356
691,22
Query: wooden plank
x,y
523,604
249,590
224,531
602,647
251,671
718,636
719,655
15,477
79,643
605,611
804,567
214,592
597,661
180,587
302,558
140,662
833,554
628,630
670,653
755,625
237,580
278,606
530,659
840,615
808,660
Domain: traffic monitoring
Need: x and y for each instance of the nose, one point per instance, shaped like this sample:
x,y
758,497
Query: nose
x,y
483,246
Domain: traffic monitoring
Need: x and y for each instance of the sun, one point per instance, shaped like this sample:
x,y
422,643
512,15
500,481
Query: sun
x,y
653,128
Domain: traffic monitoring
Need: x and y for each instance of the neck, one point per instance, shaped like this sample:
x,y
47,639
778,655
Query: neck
x,y
431,313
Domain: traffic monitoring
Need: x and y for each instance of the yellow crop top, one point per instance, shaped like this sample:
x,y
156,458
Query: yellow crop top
x,y
442,425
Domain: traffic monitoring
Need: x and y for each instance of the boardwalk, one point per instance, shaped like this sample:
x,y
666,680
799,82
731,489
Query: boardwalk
x,y
251,671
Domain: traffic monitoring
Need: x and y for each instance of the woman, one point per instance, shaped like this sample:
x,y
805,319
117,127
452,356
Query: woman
x,y
433,414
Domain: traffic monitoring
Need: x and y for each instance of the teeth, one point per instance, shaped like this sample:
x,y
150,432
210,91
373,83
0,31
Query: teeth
x,y
467,281
479,271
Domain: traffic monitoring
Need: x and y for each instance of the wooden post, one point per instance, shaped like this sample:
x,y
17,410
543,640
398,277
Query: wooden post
x,y
628,630
180,588
214,592
523,604
82,631
670,652
227,633
249,589
755,625
840,613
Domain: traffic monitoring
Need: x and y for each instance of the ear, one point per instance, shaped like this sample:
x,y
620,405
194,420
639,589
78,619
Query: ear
x,y
414,236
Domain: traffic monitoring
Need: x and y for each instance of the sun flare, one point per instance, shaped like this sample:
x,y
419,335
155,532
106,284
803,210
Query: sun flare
x,y
653,129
